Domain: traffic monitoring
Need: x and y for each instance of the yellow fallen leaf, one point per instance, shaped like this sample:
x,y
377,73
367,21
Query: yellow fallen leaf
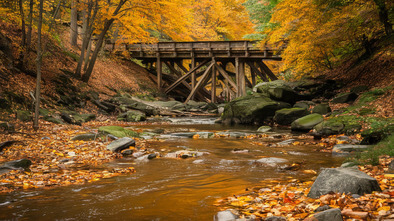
x,y
389,175
385,208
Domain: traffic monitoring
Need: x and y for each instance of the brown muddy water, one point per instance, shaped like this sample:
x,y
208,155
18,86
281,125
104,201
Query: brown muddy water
x,y
170,189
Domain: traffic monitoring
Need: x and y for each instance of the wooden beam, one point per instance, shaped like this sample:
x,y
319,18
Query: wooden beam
x,y
177,73
213,85
253,74
193,77
177,82
248,82
199,84
240,73
257,71
267,71
226,76
159,73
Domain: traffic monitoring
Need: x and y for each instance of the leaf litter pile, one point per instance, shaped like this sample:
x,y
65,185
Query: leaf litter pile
x,y
289,199
56,159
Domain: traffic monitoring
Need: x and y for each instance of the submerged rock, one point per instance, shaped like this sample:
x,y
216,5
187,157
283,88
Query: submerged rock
x,y
347,149
343,180
271,161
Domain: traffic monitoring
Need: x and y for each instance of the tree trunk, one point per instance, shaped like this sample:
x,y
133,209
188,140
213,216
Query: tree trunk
x,y
100,42
23,23
87,55
88,29
84,42
74,23
30,21
384,16
96,51
38,63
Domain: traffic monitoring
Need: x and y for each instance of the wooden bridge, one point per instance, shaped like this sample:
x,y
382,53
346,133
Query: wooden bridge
x,y
191,66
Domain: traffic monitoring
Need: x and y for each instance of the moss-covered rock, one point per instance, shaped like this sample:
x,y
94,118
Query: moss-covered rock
x,y
329,128
23,115
287,115
321,109
73,117
132,116
264,129
307,122
53,120
277,90
249,109
117,131
345,98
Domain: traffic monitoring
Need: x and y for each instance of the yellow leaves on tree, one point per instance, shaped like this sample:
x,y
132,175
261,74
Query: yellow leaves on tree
x,y
318,35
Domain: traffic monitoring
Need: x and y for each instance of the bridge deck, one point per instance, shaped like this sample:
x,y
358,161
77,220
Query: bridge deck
x,y
202,49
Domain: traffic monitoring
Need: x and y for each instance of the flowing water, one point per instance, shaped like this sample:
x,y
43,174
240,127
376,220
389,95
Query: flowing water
x,y
170,189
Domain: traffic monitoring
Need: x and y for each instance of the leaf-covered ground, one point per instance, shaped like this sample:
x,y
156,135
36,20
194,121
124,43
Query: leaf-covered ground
x,y
56,159
288,198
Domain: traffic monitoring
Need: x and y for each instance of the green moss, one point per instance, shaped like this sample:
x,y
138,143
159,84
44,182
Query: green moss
x,y
371,156
118,131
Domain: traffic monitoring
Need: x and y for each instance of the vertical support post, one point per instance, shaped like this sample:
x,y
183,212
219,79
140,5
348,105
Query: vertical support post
x,y
227,90
193,75
242,77
253,74
213,86
237,76
159,73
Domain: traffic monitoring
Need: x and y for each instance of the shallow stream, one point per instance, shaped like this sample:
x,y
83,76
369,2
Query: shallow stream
x,y
172,189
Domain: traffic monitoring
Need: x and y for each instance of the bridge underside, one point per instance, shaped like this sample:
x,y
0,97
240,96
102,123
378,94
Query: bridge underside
x,y
206,71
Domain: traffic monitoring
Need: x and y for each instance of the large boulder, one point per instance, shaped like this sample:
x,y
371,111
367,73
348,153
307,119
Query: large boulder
x,y
277,90
326,128
117,131
287,115
330,214
120,144
249,109
132,116
307,122
345,98
343,180
73,117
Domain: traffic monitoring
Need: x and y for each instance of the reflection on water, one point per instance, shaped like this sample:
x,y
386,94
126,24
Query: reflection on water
x,y
167,189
